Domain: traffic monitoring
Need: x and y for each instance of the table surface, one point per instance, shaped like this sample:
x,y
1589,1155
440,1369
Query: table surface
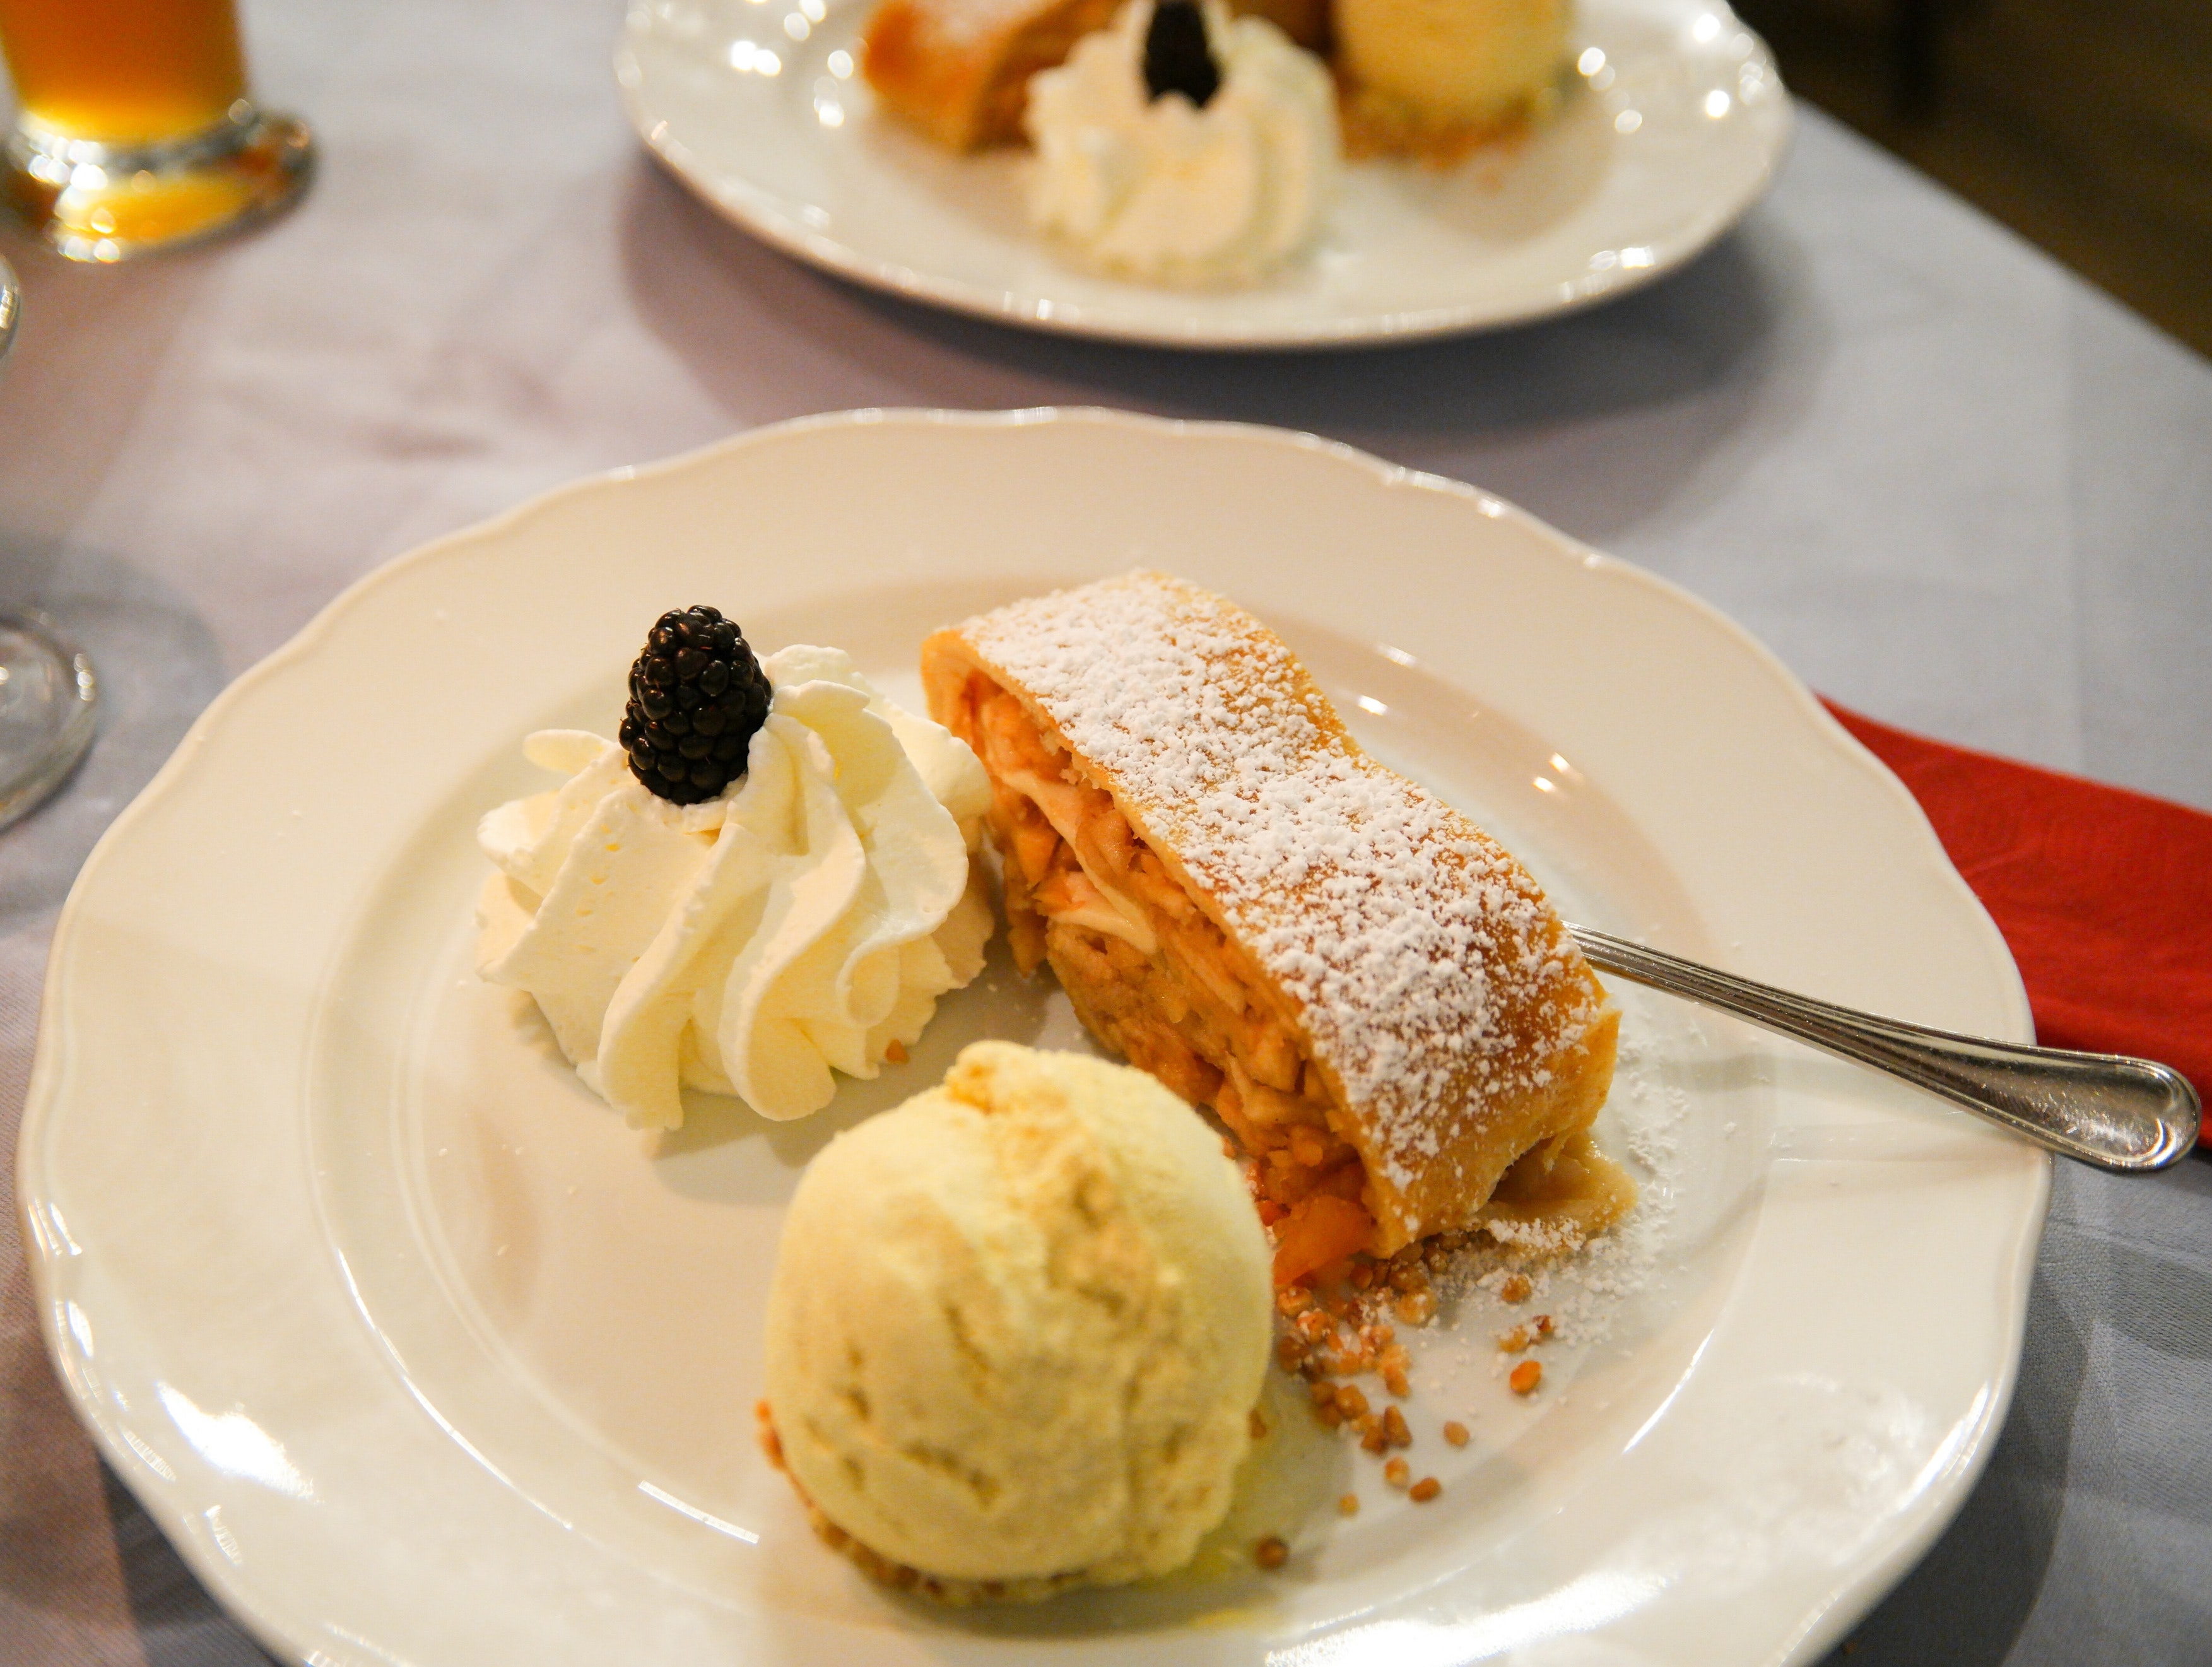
x,y
1949,484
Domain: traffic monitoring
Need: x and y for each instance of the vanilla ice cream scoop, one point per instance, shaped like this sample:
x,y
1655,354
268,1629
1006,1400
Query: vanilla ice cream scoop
x,y
1472,63
1018,1325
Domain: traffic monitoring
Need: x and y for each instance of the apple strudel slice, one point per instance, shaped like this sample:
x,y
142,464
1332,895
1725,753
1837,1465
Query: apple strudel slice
x,y
1371,993
960,69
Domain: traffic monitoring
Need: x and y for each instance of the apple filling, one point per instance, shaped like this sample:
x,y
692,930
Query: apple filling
x,y
1150,972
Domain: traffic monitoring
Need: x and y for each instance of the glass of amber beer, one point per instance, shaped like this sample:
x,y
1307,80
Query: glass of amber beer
x,y
133,128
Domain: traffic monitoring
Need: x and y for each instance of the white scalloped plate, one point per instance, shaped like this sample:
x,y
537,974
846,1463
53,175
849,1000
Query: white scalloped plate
x,y
1675,124
419,1356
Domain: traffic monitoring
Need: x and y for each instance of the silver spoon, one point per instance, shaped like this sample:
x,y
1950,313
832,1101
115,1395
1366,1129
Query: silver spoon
x,y
2115,1112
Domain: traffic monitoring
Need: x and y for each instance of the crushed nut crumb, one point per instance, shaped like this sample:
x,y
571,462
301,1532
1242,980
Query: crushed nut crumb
x,y
1339,1330
1397,1473
1348,1504
1426,1489
1345,1358
1271,1553
896,1053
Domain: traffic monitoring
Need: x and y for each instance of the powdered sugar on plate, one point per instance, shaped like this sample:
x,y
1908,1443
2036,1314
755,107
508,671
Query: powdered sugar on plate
x,y
1582,1290
1509,1297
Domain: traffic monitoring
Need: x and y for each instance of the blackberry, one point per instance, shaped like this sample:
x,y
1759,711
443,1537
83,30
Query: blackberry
x,y
696,696
1176,57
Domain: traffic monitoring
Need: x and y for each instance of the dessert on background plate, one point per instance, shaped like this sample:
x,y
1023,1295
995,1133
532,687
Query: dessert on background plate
x,y
1183,145
769,878
1179,143
1017,1330
1374,996
1430,79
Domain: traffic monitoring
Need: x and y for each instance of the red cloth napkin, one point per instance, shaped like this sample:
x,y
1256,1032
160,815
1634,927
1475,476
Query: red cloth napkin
x,y
2104,895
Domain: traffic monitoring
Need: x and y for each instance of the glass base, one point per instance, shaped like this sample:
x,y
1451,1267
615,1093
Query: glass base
x,y
95,201
49,708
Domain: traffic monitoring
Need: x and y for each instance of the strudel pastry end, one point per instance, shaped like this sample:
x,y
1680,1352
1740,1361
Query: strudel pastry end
x,y
960,69
1372,994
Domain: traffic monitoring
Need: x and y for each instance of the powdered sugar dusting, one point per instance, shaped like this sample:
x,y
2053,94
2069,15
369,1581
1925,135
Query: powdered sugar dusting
x,y
1430,973
1585,1290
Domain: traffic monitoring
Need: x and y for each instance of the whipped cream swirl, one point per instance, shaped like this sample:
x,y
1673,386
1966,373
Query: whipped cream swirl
x,y
807,920
1161,190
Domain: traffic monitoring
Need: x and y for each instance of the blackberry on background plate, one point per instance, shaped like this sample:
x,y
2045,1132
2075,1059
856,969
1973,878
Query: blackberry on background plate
x,y
1176,57
697,695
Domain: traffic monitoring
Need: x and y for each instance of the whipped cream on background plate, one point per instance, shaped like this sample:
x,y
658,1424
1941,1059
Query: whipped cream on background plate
x,y
1160,189
804,922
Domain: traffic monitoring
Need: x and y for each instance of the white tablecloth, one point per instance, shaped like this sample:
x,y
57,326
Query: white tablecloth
x,y
1949,484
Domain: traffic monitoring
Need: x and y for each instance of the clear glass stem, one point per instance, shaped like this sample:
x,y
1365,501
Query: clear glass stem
x,y
49,710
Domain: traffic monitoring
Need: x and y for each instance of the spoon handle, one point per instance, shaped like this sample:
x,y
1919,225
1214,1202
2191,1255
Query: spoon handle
x,y
2114,1112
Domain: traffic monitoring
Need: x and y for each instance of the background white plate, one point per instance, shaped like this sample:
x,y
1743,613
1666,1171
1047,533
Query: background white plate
x,y
1674,131
419,1356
